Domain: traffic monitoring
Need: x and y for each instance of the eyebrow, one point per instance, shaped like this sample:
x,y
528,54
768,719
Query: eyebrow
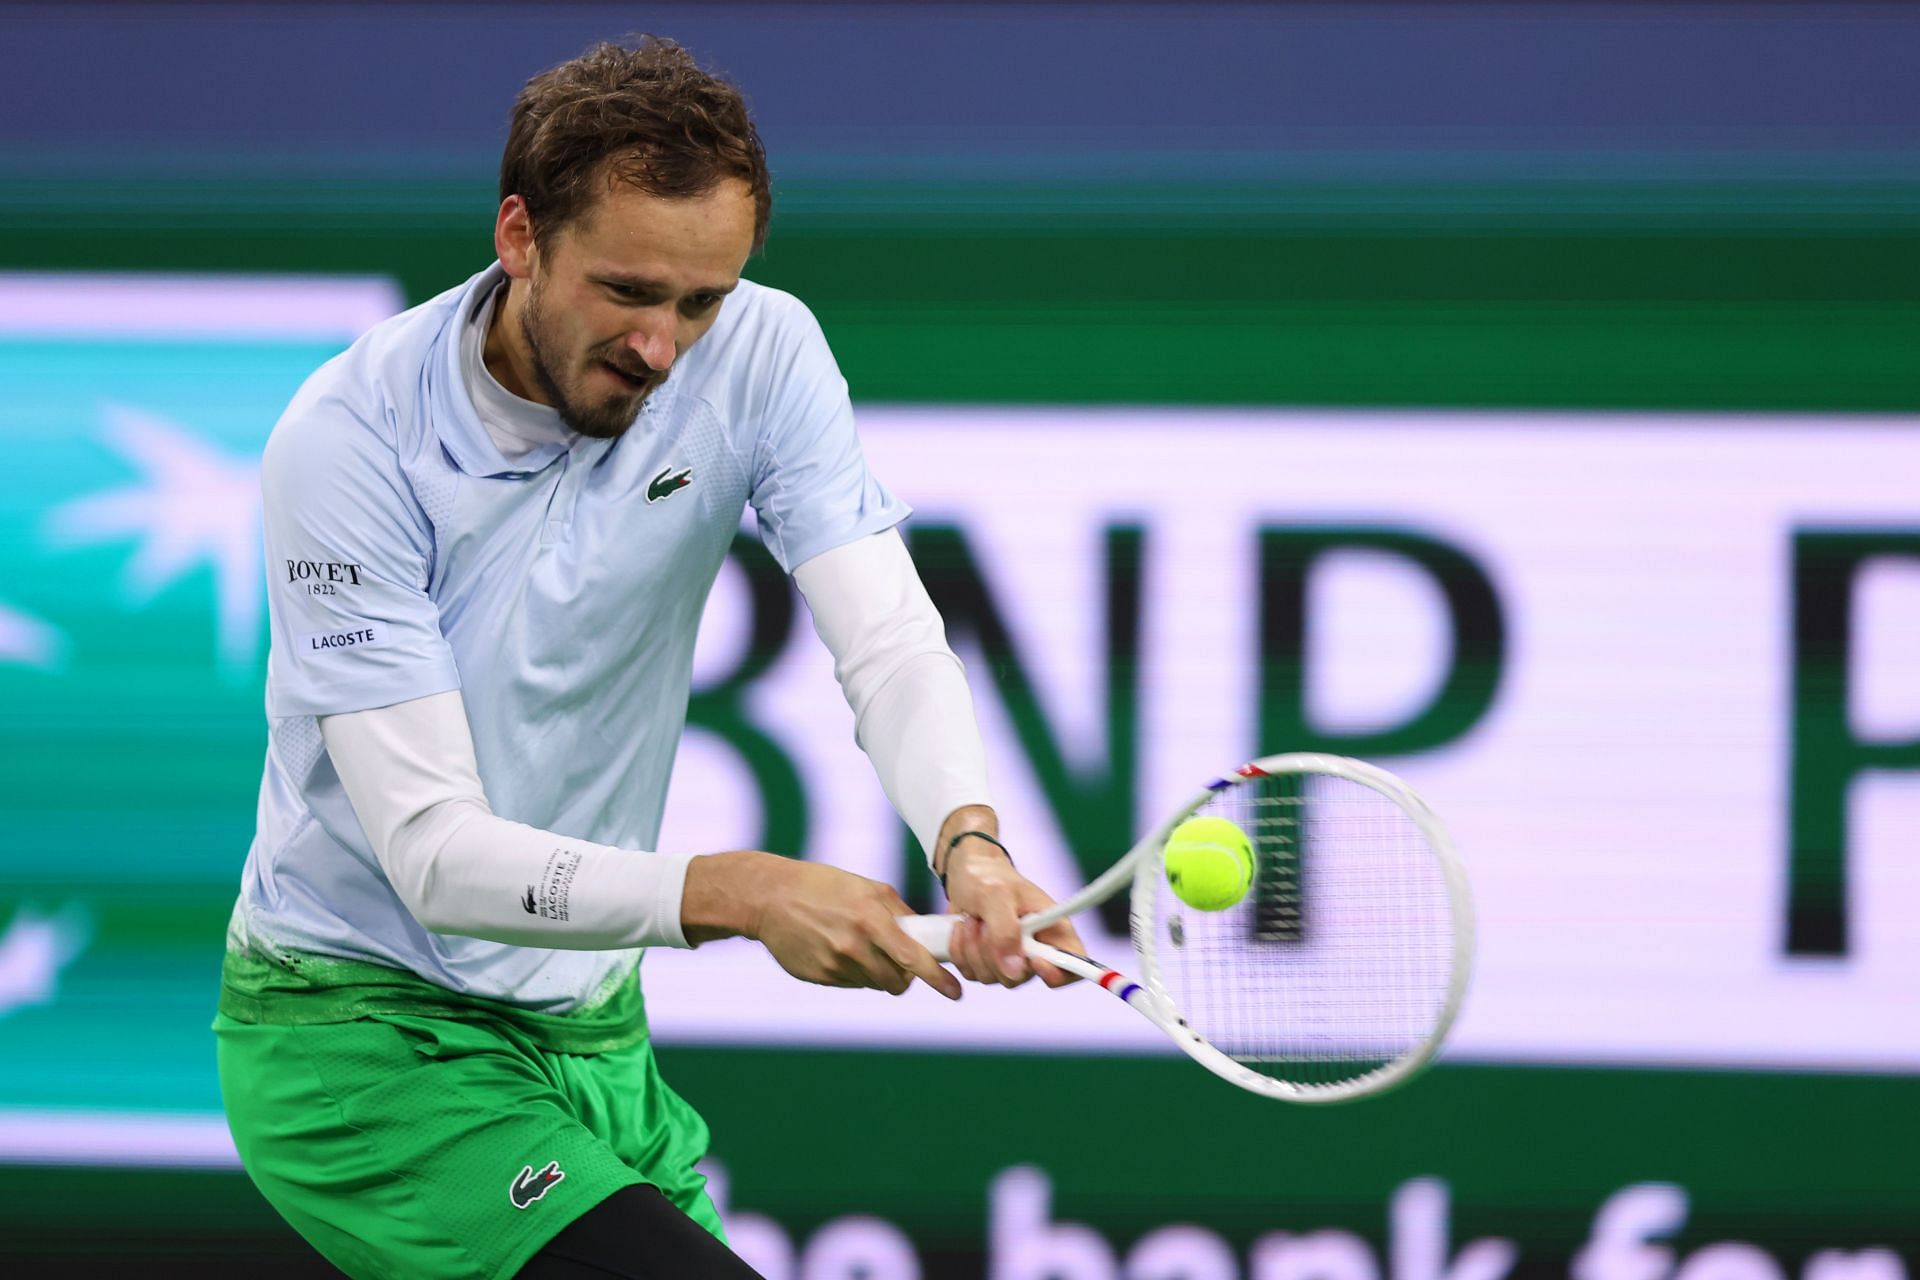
x,y
647,284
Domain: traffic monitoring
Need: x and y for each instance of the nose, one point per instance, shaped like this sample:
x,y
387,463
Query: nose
x,y
653,344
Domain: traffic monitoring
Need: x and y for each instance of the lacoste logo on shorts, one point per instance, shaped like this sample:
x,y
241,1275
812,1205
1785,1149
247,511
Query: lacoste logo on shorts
x,y
530,1186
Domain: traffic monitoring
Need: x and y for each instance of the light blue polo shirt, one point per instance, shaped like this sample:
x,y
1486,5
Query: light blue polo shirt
x,y
559,591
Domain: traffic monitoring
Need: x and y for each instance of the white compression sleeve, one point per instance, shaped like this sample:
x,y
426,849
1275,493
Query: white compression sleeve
x,y
912,713
410,774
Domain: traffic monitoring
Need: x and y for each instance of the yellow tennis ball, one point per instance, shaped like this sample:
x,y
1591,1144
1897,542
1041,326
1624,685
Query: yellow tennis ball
x,y
1209,863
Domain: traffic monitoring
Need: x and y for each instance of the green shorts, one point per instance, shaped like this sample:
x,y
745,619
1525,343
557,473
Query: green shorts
x,y
407,1131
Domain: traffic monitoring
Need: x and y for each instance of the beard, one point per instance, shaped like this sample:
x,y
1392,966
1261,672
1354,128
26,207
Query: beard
x,y
601,416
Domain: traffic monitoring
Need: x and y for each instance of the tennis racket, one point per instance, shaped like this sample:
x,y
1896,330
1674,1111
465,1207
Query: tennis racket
x,y
1339,973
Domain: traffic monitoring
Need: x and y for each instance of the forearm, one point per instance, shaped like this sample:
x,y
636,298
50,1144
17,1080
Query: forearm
x,y
913,714
919,732
409,773
463,870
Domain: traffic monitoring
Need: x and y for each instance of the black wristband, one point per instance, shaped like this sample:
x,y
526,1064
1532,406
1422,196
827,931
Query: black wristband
x,y
962,836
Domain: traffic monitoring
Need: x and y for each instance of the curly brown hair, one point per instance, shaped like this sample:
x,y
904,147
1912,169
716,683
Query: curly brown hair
x,y
646,116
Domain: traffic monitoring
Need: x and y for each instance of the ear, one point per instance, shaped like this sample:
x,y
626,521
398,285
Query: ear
x,y
513,238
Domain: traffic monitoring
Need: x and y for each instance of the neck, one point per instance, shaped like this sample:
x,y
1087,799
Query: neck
x,y
504,351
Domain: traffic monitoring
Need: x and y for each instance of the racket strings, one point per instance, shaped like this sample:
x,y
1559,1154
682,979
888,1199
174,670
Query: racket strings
x,y
1339,959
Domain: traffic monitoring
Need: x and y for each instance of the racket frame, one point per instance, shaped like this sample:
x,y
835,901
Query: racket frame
x,y
1141,867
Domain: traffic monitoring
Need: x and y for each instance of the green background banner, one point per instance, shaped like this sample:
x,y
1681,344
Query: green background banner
x,y
1762,268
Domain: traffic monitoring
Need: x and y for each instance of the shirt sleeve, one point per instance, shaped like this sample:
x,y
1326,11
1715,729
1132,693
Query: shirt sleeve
x,y
349,553
912,713
409,772
811,487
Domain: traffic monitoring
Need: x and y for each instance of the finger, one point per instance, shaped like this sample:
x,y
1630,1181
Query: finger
x,y
895,907
975,960
1051,975
1001,922
844,976
858,961
879,972
960,947
910,958
1063,935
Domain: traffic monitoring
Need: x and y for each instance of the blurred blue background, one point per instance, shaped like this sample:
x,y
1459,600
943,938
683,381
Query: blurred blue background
x,y
1618,302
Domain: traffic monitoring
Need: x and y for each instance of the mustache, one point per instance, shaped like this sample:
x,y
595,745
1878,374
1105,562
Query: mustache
x,y
643,373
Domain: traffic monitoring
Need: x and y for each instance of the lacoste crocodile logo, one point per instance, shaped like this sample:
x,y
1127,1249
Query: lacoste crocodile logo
x,y
530,1186
527,903
668,483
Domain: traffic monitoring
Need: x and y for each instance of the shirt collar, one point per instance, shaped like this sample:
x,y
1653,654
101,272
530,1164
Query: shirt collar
x,y
516,426
455,421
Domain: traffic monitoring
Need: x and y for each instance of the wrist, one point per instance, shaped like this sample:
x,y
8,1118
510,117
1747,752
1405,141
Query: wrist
x,y
726,894
961,831
973,854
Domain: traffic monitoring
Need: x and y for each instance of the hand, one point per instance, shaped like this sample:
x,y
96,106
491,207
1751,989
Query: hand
x,y
822,924
983,886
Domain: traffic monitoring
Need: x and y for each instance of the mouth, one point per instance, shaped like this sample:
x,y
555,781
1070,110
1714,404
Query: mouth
x,y
632,382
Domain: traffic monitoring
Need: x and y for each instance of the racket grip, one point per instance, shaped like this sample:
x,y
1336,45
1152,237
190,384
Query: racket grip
x,y
931,932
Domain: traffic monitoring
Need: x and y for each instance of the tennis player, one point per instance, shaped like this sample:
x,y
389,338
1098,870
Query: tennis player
x,y
491,526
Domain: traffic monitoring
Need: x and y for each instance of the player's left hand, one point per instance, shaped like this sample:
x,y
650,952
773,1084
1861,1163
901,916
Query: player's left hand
x,y
983,885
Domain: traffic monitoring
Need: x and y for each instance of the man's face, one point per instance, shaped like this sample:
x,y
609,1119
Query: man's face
x,y
616,296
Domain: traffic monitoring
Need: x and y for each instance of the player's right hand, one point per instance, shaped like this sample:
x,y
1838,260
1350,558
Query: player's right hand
x,y
838,929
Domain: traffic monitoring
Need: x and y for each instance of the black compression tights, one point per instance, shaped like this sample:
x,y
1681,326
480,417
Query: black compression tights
x,y
635,1234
